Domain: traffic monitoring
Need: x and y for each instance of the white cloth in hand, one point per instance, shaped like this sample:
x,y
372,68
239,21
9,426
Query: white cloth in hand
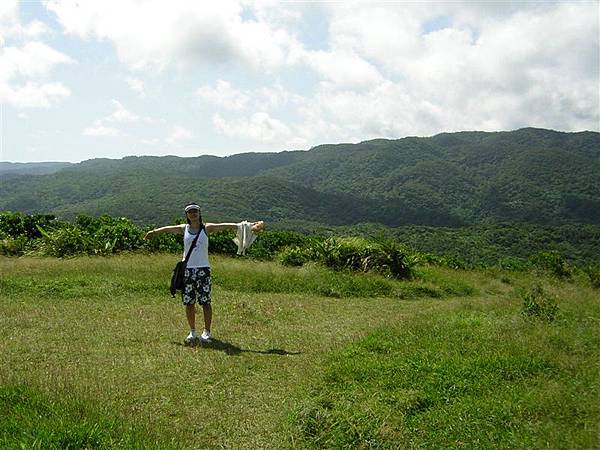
x,y
244,237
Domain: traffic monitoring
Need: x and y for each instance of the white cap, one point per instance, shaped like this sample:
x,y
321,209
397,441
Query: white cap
x,y
194,206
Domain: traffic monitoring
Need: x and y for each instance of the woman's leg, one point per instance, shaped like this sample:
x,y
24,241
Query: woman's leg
x,y
207,309
190,312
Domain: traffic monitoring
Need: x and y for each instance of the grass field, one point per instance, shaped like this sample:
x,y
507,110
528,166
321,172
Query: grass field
x,y
91,356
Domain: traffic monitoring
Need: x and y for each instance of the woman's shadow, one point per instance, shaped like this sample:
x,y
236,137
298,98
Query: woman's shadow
x,y
233,350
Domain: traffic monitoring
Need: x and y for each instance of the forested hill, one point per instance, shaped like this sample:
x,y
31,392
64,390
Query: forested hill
x,y
8,168
452,179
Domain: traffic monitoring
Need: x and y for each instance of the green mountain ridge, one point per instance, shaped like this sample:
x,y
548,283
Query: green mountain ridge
x,y
42,168
451,179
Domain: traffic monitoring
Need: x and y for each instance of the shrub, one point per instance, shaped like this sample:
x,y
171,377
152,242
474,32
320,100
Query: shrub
x,y
267,245
593,273
270,243
339,253
222,243
108,234
10,246
386,257
430,258
66,241
293,256
391,258
166,242
119,236
537,304
512,263
553,262
87,223
453,262
16,224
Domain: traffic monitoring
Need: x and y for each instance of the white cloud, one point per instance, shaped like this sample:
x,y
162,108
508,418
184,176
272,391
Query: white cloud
x,y
11,26
24,67
485,69
34,59
8,10
159,33
35,29
9,17
388,110
275,97
99,130
271,12
451,65
384,33
178,134
121,114
387,75
137,86
277,75
259,127
151,142
224,96
344,70
32,94
107,126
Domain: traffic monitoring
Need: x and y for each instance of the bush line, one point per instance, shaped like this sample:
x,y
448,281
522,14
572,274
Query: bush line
x,y
45,235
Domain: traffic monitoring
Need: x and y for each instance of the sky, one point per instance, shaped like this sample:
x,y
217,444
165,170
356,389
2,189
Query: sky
x,y
90,79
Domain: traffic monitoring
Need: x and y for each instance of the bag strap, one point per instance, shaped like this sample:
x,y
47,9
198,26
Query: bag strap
x,y
189,253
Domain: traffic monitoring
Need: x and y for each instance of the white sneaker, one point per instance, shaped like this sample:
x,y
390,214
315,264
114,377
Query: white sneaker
x,y
205,336
191,338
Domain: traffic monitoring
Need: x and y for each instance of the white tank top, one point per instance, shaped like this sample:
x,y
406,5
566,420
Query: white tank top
x,y
199,256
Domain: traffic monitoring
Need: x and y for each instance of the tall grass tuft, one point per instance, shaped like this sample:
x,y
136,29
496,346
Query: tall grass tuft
x,y
393,258
593,273
382,256
537,304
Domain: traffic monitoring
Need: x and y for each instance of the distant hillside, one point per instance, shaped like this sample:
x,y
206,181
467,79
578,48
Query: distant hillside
x,y
8,168
529,175
452,179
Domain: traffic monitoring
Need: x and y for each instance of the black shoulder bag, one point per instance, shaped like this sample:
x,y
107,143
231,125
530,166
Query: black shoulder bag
x,y
179,270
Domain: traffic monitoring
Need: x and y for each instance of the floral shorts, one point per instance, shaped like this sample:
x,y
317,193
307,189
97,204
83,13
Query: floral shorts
x,y
196,286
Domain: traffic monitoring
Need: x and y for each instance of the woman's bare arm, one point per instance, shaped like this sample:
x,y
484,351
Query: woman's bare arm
x,y
175,229
216,227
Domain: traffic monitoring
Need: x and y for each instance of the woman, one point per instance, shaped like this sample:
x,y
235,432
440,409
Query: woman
x,y
197,282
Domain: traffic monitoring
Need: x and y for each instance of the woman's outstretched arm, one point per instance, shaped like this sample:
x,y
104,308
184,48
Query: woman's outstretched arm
x,y
216,227
176,229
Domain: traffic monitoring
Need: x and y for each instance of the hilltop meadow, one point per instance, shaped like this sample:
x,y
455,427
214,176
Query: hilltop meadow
x,y
92,356
332,342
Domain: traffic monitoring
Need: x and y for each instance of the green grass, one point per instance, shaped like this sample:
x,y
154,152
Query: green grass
x,y
91,355
34,420
471,377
